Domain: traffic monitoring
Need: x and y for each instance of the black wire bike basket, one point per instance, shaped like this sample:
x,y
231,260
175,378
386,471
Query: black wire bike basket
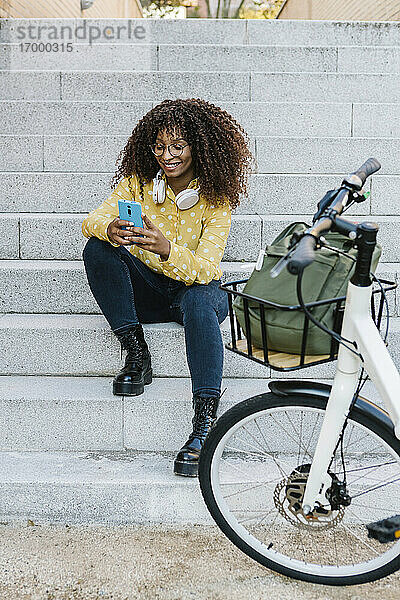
x,y
241,340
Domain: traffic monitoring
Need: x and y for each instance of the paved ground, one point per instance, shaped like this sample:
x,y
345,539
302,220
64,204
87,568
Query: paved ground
x,y
54,562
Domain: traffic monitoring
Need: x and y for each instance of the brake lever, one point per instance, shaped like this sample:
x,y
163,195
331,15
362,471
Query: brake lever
x,y
281,264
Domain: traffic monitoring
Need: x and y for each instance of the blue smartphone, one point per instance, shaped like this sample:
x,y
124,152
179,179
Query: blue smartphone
x,y
130,211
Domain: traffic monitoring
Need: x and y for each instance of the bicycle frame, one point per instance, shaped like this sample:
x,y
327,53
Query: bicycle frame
x,y
358,326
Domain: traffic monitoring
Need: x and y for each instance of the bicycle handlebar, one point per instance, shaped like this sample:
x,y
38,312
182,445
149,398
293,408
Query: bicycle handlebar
x,y
303,255
304,252
368,168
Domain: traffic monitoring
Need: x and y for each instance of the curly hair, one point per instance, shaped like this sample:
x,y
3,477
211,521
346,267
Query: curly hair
x,y
219,145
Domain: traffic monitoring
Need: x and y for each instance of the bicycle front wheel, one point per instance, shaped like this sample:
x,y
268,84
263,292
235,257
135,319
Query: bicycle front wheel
x,y
253,471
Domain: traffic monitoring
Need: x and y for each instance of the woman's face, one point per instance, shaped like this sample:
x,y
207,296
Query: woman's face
x,y
174,166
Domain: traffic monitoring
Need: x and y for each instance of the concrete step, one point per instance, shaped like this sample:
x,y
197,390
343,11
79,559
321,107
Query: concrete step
x,y
268,194
77,414
81,413
61,286
38,56
274,154
87,118
265,85
52,286
75,85
110,486
85,345
77,56
367,116
37,236
330,155
321,119
324,33
328,87
210,57
58,344
27,85
97,488
46,153
117,488
66,241
202,31
368,60
284,59
198,58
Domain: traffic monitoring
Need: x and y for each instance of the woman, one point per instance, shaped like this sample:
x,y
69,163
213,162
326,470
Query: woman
x,y
181,153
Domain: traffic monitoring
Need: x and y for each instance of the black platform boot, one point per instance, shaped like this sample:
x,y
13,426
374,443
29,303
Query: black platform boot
x,y
205,413
137,371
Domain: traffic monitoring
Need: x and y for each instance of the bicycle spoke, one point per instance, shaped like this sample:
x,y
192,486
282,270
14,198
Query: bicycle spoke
x,y
363,542
374,507
247,482
261,484
335,545
260,521
366,474
317,419
282,471
391,462
357,442
377,487
302,545
301,445
288,434
257,454
301,434
225,463
268,454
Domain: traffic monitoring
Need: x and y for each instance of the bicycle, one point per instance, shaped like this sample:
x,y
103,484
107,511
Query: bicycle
x,y
293,476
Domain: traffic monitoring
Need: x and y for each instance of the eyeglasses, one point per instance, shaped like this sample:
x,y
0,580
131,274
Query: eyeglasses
x,y
173,149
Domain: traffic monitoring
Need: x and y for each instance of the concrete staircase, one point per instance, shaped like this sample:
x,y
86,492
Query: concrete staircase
x,y
317,99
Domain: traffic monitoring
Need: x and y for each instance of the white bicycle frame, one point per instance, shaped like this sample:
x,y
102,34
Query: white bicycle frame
x,y
358,326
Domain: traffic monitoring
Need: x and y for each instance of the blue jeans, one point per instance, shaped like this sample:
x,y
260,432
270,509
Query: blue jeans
x,y
128,292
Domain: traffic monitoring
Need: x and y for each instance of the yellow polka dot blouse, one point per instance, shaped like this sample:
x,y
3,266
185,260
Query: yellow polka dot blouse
x,y
197,235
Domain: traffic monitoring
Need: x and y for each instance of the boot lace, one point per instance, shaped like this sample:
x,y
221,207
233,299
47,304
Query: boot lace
x,y
131,344
205,414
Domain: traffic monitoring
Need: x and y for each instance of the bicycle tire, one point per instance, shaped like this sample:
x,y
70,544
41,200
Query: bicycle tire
x,y
212,464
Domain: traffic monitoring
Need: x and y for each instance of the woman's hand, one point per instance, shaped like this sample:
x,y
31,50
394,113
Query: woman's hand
x,y
153,239
118,235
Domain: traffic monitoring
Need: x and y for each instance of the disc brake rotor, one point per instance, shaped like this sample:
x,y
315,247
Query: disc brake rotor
x,y
288,498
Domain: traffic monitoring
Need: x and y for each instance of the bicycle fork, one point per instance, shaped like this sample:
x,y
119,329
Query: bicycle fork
x,y
359,326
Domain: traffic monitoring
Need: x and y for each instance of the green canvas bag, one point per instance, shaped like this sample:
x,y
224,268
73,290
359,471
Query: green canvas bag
x,y
326,277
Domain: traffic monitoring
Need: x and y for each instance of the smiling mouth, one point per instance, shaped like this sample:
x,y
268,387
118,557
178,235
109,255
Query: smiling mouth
x,y
172,165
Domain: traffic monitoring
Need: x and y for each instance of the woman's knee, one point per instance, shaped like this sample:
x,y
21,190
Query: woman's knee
x,y
223,308
198,301
94,248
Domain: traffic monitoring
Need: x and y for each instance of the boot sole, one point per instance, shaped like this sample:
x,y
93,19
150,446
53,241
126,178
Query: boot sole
x,y
186,469
132,389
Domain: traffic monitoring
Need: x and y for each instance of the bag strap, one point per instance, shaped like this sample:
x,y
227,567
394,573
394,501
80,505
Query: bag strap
x,y
290,229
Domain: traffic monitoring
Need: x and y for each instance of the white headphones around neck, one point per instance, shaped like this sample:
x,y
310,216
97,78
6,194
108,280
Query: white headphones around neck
x,y
184,200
